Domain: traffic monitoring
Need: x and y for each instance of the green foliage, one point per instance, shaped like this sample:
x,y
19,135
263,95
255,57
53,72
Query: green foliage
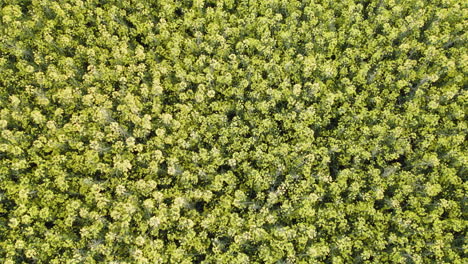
x,y
233,131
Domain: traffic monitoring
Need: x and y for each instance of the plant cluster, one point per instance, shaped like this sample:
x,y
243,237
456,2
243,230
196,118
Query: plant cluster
x,y
234,131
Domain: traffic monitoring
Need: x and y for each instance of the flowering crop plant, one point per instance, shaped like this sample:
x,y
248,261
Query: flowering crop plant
x,y
233,131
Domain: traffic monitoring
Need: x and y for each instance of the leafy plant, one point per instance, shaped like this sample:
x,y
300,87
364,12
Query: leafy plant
x,y
233,131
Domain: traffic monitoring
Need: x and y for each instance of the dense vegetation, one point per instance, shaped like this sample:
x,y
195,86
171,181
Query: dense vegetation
x,y
235,131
